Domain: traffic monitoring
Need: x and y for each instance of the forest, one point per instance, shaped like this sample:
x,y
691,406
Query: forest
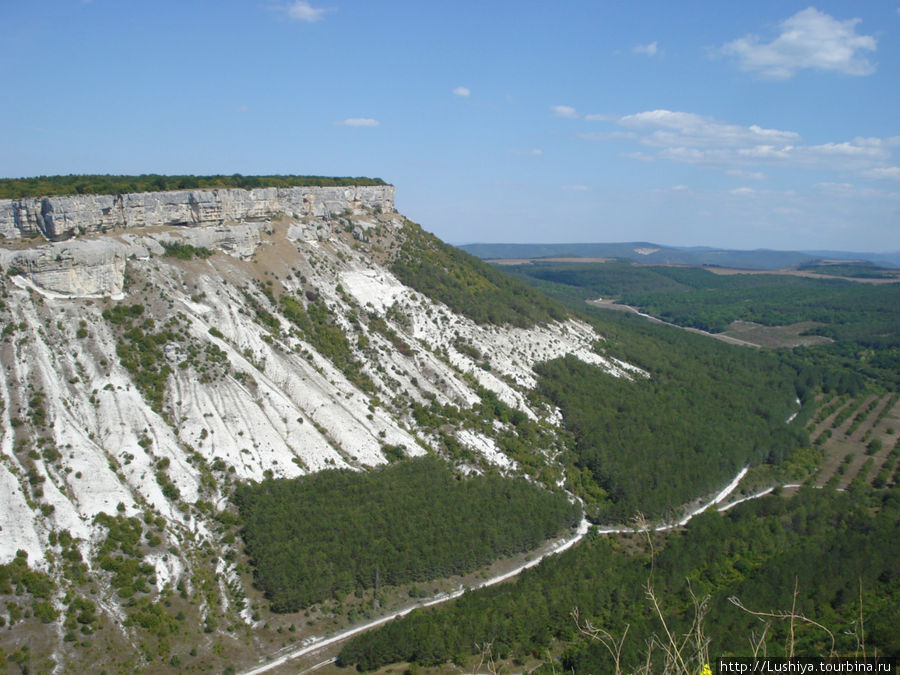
x,y
861,319
758,553
340,531
653,445
106,184
706,408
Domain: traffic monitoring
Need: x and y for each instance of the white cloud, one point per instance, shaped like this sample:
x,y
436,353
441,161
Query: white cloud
x,y
358,122
688,129
302,11
751,175
564,111
242,108
462,91
575,188
743,191
739,150
607,135
808,39
650,50
887,172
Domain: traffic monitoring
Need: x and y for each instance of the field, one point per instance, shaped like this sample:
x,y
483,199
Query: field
x,y
792,335
858,441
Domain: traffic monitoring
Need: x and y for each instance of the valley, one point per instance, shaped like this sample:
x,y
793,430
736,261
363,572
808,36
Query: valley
x,y
449,338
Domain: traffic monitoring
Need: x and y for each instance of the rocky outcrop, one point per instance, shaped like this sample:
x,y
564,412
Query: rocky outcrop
x,y
60,218
71,269
239,241
87,268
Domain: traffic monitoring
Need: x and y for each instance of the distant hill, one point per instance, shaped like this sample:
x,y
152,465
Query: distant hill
x,y
656,254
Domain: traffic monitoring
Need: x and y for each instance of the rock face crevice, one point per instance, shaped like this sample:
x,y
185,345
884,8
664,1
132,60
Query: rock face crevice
x,y
63,217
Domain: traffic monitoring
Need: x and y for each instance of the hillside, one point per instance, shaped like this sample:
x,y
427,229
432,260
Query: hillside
x,y
151,365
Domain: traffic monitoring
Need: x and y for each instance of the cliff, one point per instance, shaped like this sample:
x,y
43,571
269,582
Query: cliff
x,y
141,382
63,217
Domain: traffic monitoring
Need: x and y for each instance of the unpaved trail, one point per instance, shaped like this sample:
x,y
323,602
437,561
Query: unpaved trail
x,y
314,644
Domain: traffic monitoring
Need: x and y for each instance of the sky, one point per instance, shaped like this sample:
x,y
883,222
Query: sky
x,y
765,124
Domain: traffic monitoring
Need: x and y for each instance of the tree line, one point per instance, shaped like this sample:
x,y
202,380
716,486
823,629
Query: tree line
x,y
103,184
837,550
335,532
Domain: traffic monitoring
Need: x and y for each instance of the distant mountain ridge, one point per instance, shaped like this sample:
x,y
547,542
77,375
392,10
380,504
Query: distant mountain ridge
x,y
657,254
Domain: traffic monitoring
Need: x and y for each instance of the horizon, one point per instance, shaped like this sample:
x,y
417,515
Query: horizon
x,y
654,243
742,126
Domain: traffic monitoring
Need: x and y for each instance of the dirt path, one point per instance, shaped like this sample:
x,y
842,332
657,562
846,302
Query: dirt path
x,y
313,645
609,304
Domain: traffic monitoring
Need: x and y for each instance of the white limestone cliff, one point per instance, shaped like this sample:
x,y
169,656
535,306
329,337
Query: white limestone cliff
x,y
64,217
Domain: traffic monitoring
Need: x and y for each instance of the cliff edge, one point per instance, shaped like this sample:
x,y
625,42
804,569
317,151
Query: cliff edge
x,y
63,217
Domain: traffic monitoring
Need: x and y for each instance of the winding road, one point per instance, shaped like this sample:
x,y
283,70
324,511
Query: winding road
x,y
313,644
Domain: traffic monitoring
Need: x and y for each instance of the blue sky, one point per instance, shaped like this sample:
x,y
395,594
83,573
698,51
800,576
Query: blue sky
x,y
733,124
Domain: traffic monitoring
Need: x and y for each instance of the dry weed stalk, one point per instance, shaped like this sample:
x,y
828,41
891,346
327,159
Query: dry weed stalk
x,y
685,654
792,617
605,638
486,651
860,628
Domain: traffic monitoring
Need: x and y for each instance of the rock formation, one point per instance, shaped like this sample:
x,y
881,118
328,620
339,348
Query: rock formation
x,y
59,218
227,219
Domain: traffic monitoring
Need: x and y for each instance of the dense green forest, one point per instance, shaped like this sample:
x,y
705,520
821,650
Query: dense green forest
x,y
652,445
333,532
862,319
702,299
838,550
708,408
103,184
466,284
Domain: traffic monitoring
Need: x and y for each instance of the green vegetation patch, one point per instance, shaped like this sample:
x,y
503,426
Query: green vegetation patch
x,y
19,577
334,532
121,555
105,184
185,251
317,324
859,270
140,351
652,445
837,550
467,285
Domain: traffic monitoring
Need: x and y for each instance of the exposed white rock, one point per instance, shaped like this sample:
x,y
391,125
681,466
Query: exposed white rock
x,y
486,447
248,390
66,216
80,268
237,240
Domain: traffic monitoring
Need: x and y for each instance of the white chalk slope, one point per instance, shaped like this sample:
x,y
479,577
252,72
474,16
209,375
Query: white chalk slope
x,y
248,396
